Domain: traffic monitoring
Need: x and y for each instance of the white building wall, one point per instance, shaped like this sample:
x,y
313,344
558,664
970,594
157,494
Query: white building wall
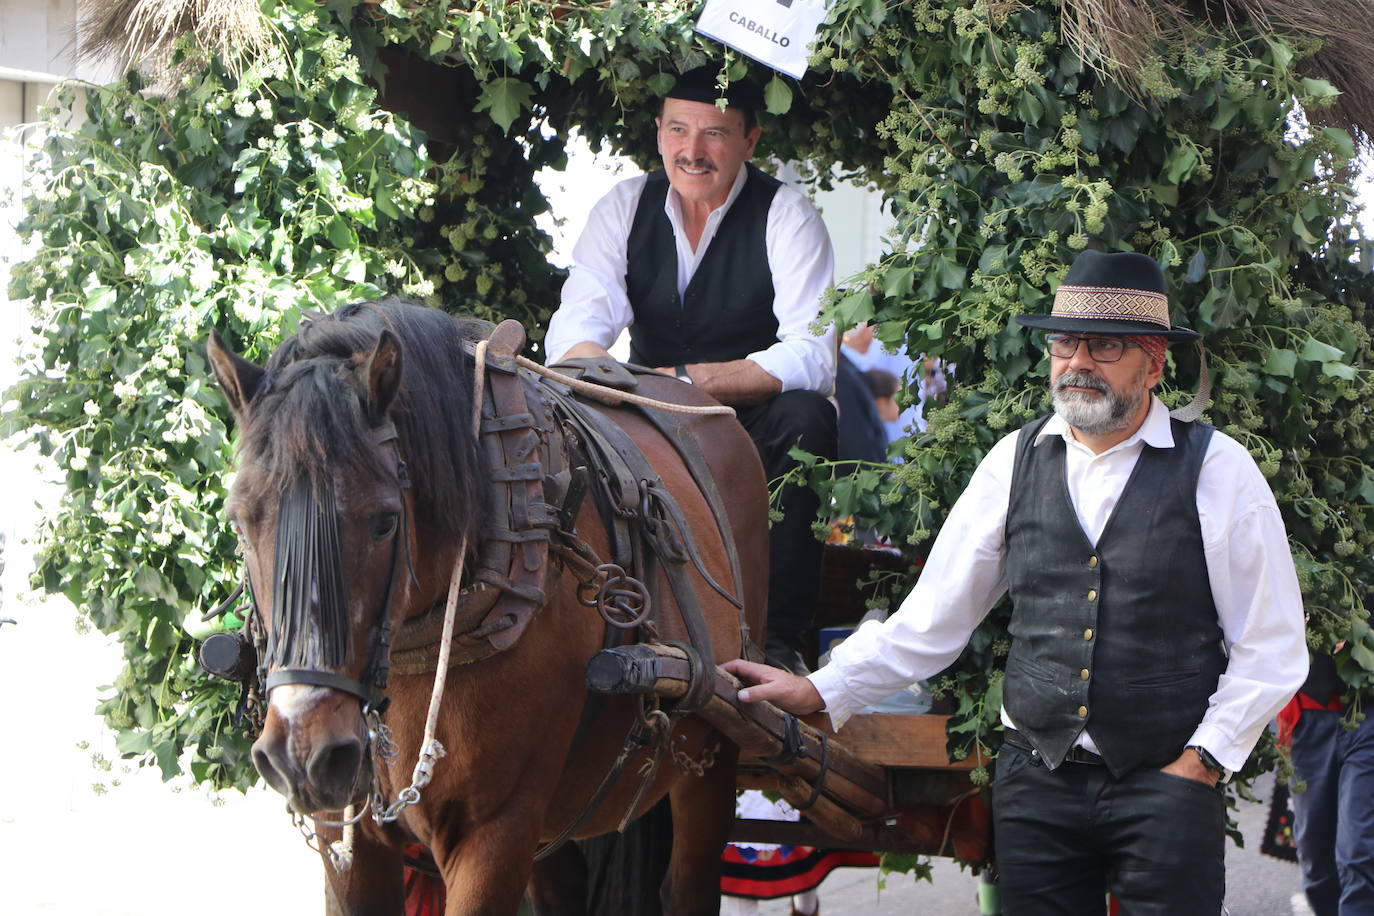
x,y
858,224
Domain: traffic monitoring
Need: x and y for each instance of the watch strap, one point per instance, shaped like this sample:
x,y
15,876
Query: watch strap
x,y
1207,759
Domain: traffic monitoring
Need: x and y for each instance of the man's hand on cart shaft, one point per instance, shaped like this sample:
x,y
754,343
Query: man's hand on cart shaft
x,y
783,689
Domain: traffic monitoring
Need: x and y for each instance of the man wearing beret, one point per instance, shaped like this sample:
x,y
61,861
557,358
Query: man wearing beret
x,y
1156,627
717,270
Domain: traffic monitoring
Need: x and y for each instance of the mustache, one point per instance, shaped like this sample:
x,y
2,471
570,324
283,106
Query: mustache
x,y
683,161
1075,379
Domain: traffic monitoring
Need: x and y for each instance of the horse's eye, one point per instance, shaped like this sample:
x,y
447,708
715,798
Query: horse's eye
x,y
384,525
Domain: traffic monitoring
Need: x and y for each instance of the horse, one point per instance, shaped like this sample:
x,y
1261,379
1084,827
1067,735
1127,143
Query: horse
x,y
363,485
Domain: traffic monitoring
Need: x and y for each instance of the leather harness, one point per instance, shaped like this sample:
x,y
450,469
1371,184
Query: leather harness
x,y
545,450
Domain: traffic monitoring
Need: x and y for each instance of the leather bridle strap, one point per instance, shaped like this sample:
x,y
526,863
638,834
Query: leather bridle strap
x,y
317,678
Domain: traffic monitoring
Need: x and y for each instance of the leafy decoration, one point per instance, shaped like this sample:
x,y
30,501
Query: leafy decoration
x,y
248,193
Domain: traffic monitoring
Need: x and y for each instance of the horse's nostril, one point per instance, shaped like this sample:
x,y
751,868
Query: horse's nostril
x,y
335,765
263,761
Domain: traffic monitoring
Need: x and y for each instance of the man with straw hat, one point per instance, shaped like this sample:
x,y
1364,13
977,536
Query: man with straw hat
x,y
1156,621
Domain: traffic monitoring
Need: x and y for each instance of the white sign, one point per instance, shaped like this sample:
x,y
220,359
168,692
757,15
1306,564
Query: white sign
x,y
774,32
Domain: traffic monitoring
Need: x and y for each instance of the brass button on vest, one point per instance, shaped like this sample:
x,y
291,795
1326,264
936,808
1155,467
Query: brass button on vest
x,y
1092,562
1083,675
1088,633
1092,594
1082,712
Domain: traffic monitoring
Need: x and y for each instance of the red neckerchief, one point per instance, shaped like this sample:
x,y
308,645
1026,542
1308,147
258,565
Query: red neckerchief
x,y
1290,714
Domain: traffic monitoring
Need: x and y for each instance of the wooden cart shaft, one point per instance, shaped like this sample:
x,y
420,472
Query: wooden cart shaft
x,y
885,783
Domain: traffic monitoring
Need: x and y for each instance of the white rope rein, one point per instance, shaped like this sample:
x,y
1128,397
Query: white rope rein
x,y
607,392
430,747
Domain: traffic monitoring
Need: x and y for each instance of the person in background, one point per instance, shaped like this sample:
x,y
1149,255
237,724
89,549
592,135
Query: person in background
x,y
768,871
929,382
1156,624
863,433
717,270
1333,808
883,386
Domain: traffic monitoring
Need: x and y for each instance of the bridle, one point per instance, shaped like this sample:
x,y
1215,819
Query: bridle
x,y
370,689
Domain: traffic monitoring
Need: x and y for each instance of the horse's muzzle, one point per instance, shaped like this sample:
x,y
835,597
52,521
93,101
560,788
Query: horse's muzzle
x,y
316,766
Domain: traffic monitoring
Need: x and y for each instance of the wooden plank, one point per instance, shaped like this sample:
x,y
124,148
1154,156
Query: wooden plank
x,y
895,740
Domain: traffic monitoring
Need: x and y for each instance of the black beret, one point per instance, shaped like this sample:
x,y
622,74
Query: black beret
x,y
699,85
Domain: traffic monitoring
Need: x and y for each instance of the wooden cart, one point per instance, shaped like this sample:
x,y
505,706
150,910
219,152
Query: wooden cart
x,y
884,783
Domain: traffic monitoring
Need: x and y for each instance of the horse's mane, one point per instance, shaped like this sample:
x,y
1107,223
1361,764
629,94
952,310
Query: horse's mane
x,y
308,419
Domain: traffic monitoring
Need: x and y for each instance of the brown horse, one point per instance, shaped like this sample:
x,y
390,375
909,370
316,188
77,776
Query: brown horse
x,y
359,477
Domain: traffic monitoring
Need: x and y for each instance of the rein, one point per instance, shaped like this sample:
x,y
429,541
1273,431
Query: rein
x,y
430,747
613,396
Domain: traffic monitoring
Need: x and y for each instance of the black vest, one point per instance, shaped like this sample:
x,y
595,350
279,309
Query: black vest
x,y
1121,638
728,309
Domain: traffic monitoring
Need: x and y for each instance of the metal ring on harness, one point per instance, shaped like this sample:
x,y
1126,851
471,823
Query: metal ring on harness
x,y
621,599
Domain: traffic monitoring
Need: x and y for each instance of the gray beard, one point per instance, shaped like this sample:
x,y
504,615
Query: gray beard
x,y
1095,416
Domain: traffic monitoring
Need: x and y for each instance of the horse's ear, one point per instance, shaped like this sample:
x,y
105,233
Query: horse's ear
x,y
383,373
237,377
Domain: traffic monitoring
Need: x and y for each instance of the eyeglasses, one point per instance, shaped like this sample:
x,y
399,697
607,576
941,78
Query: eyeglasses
x,y
1101,349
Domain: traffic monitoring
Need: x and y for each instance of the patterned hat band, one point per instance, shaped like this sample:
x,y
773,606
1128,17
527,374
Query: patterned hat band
x,y
1112,303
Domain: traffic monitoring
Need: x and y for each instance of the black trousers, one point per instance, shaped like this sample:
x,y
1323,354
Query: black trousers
x,y
1065,838
793,418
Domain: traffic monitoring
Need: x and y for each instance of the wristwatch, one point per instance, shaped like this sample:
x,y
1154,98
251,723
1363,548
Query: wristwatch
x,y
1208,760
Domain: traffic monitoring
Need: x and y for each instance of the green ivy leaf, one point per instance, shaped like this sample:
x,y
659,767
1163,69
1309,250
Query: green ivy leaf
x,y
1341,140
1316,90
1180,164
856,308
1197,267
897,282
1339,370
951,275
1362,654
504,99
1317,352
440,43
1281,362
777,96
660,84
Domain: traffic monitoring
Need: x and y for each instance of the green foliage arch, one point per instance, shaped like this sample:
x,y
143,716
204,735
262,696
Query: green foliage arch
x,y
245,192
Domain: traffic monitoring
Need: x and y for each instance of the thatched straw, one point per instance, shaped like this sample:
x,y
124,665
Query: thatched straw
x,y
1118,36
143,33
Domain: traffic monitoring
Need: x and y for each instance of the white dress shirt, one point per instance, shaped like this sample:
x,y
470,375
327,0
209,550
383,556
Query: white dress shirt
x,y
1249,566
596,308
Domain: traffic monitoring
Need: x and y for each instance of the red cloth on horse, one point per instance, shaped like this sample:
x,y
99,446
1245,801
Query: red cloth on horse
x,y
424,892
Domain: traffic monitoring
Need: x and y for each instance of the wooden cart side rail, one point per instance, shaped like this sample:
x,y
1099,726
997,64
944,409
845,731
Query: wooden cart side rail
x,y
901,740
